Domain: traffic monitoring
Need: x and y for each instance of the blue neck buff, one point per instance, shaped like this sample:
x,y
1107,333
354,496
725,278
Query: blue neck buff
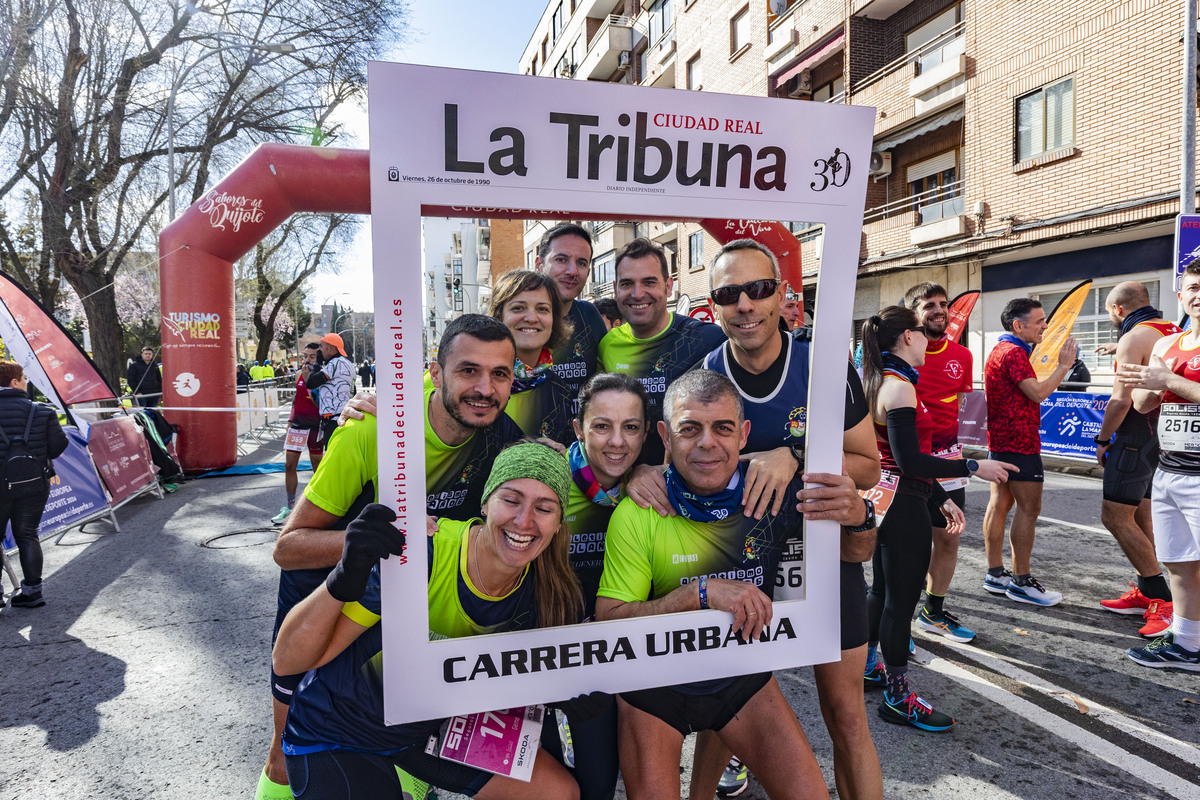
x,y
1137,317
1012,338
893,364
710,507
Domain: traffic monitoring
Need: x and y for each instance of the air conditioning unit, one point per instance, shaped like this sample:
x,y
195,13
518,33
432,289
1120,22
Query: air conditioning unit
x,y
800,84
881,164
624,60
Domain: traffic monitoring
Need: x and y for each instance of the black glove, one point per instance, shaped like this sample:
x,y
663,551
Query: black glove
x,y
369,538
584,708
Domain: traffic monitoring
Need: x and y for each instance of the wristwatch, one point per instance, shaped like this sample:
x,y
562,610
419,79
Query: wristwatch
x,y
868,523
798,454
1101,440
972,466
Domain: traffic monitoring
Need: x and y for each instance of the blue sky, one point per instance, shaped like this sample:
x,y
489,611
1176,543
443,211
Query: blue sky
x,y
468,34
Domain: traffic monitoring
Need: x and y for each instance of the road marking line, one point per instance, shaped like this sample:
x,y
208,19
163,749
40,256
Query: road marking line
x,y
1150,773
1008,667
1074,525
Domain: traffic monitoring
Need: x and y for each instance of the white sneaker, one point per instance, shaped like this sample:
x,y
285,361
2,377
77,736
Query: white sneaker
x,y
1033,593
281,517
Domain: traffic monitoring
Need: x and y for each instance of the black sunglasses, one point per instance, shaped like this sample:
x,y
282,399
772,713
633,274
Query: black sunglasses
x,y
921,330
755,290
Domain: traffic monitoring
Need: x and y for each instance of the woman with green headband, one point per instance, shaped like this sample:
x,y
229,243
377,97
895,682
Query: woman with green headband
x,y
506,570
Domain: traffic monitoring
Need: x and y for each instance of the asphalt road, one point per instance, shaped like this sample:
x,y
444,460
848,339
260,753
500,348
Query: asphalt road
x,y
144,676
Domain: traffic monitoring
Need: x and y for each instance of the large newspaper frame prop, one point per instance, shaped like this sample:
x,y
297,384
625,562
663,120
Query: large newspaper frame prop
x,y
485,143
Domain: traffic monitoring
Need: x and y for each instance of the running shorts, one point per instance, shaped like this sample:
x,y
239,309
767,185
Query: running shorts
x,y
854,606
1030,466
1129,469
1175,510
689,713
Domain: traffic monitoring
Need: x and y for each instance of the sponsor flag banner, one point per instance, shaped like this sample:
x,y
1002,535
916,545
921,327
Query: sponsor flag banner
x,y
122,457
959,312
775,236
495,144
1060,322
46,351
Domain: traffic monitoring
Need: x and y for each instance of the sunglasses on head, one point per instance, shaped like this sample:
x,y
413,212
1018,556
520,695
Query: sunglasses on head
x,y
755,290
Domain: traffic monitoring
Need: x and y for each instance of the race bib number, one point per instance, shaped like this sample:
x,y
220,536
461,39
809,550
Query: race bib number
x,y
297,440
881,494
503,742
953,453
1179,427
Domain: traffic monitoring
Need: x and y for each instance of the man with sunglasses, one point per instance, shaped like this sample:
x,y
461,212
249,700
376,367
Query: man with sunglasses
x,y
770,369
655,346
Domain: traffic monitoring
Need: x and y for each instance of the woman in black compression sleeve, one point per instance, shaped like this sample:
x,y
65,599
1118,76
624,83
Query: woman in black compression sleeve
x,y
893,347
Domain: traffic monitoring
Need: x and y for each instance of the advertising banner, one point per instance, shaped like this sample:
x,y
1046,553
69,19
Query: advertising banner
x,y
494,143
1070,420
1060,322
75,491
122,457
1187,243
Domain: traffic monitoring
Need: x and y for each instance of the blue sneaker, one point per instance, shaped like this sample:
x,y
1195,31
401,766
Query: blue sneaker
x,y
1033,593
912,710
876,677
1163,652
996,585
945,624
912,647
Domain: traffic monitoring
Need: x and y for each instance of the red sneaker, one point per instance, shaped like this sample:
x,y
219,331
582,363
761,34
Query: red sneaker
x,y
1132,602
1158,619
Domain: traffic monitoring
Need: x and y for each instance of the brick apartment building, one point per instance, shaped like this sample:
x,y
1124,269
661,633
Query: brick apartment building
x,y
1020,147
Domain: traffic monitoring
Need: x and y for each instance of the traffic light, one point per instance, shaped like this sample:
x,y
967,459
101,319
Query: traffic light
x,y
458,285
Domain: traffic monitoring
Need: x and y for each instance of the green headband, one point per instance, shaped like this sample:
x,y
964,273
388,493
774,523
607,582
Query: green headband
x,y
531,460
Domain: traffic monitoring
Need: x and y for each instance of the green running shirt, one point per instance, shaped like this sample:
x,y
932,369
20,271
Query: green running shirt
x,y
658,361
588,523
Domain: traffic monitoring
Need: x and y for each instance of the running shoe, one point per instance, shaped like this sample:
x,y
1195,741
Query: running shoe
x,y
997,585
281,517
1158,618
876,677
946,625
1033,593
1132,602
734,779
912,646
912,710
1164,653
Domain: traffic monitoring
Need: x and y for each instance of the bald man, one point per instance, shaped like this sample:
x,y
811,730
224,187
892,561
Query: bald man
x,y
1129,460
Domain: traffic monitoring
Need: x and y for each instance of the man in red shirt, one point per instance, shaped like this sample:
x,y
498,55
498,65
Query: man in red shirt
x,y
945,378
304,431
1014,397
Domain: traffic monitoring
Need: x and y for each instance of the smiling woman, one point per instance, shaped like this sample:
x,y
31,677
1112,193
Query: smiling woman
x,y
529,305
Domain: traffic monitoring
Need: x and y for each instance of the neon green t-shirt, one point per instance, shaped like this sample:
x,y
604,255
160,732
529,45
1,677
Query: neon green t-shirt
x,y
349,464
647,556
588,523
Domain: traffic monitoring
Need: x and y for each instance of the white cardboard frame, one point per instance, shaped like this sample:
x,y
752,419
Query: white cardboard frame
x,y
412,147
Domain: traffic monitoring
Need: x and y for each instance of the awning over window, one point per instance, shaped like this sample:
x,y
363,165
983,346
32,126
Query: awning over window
x,y
931,124
811,60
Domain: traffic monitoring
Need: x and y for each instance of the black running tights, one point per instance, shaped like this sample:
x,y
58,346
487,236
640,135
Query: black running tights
x,y
899,565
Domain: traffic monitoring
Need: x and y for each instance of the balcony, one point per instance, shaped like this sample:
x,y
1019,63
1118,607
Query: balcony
x,y
604,55
659,62
917,220
921,82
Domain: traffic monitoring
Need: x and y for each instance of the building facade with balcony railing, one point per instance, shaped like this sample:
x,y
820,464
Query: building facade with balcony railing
x,y
1019,147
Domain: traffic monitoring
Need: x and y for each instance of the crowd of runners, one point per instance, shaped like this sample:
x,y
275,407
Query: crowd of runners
x,y
584,465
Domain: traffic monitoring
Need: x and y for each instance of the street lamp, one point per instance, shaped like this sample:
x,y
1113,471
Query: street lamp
x,y
281,48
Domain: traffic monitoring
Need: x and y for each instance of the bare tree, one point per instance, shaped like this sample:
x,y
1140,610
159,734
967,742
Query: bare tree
x,y
83,116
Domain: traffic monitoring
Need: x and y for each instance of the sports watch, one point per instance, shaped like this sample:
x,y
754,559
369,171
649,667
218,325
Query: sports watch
x,y
868,523
972,465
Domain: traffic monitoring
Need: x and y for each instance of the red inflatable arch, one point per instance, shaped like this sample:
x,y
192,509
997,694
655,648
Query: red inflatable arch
x,y
196,254
197,251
